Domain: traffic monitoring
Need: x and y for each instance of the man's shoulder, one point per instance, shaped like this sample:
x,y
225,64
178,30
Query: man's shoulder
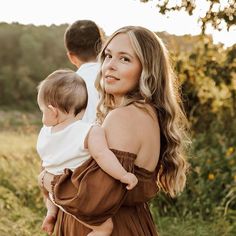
x,y
88,72
89,67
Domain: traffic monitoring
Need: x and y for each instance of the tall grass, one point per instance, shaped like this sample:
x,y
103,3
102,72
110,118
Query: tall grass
x,y
22,208
21,205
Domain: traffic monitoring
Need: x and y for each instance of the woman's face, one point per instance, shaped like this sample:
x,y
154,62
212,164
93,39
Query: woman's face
x,y
121,68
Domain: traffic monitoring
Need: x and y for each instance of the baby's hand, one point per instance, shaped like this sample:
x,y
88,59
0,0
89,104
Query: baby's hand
x,y
129,179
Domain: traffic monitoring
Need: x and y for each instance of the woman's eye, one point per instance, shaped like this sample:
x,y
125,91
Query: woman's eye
x,y
107,55
125,59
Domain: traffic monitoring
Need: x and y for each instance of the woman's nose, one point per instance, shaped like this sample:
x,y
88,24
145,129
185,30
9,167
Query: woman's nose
x,y
112,64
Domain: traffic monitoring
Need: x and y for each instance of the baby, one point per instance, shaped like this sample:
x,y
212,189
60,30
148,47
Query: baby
x,y
65,141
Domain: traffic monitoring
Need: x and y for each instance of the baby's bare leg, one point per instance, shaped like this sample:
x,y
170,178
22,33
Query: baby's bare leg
x,y
41,185
50,219
47,181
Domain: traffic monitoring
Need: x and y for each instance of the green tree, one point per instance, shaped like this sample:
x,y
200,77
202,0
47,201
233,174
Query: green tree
x,y
215,14
28,54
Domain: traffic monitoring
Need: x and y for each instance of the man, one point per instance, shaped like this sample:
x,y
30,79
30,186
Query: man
x,y
83,41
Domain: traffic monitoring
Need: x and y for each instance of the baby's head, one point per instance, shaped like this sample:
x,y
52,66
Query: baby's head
x,y
64,93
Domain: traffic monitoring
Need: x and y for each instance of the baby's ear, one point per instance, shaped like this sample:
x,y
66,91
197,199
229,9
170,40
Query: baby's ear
x,y
54,110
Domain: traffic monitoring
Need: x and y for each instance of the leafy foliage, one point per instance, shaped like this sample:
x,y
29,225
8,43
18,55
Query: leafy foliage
x,y
215,14
208,75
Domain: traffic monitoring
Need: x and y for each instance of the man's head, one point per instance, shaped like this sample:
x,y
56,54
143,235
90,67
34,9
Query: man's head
x,y
83,41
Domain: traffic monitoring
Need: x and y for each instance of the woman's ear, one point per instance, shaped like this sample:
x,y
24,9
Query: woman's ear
x,y
54,110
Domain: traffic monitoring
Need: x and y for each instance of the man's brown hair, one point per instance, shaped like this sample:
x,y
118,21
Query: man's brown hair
x,y
84,39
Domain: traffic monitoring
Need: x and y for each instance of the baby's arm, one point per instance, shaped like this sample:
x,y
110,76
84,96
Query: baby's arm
x,y
106,159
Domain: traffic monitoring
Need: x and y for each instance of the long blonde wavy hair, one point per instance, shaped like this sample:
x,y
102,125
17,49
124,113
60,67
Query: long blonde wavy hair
x,y
157,87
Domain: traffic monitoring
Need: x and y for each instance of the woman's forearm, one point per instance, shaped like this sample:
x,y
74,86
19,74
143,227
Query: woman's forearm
x,y
47,182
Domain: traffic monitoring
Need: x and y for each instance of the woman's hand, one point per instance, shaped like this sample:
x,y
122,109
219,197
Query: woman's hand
x,y
104,229
98,234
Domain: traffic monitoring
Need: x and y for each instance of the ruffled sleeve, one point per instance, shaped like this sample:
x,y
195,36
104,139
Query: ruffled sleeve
x,y
88,193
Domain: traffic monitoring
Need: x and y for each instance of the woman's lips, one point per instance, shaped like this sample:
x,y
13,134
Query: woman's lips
x,y
111,79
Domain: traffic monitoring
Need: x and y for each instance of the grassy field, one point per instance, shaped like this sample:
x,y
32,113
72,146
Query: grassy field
x,y
21,205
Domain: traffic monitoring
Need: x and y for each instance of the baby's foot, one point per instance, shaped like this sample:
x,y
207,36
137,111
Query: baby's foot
x,y
48,224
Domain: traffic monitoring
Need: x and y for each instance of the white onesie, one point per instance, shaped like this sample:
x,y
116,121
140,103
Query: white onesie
x,y
63,149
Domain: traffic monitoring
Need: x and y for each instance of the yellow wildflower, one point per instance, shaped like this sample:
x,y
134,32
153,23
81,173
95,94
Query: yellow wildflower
x,y
229,151
211,176
235,178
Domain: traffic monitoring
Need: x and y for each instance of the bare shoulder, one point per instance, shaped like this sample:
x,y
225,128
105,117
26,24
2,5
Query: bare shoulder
x,y
125,117
120,121
125,126
127,111
119,114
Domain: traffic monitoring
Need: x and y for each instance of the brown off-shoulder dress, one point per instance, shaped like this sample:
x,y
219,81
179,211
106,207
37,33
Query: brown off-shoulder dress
x,y
92,196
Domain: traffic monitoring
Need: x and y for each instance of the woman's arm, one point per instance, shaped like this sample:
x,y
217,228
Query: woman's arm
x,y
105,227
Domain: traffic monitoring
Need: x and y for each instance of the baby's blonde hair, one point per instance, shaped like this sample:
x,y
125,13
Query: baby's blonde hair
x,y
64,89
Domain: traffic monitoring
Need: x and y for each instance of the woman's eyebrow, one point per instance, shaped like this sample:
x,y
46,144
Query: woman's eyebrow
x,y
120,52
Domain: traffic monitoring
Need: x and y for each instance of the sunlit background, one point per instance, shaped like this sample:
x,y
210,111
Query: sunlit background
x,y
206,71
110,15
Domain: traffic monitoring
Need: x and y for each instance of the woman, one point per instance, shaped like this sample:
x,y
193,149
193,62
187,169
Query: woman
x,y
144,124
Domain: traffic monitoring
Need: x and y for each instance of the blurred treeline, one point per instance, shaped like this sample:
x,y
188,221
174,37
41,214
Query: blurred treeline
x,y
207,75
28,54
